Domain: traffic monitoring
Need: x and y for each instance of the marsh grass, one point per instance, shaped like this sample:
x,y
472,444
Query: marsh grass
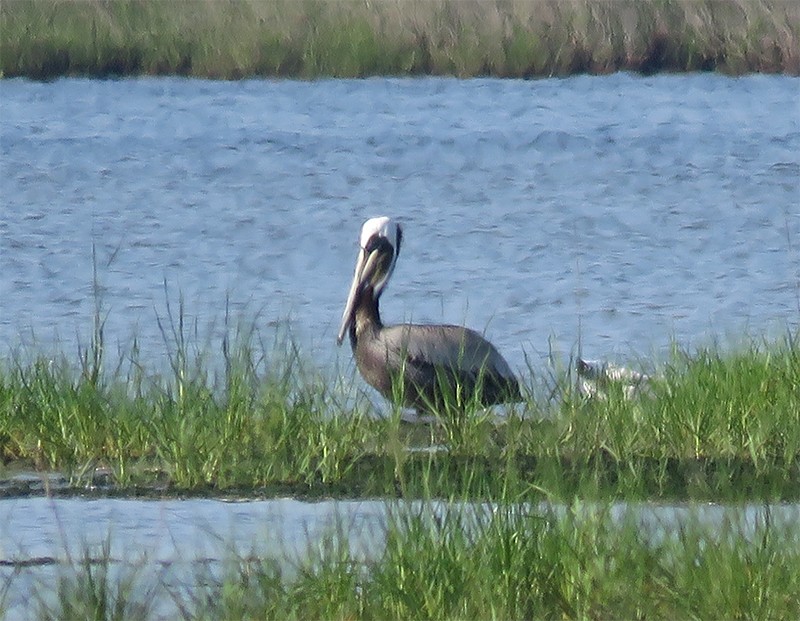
x,y
196,429
454,560
49,38
455,408
720,413
95,586
250,415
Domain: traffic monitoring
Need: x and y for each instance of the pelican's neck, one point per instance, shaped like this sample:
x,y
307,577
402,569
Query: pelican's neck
x,y
367,320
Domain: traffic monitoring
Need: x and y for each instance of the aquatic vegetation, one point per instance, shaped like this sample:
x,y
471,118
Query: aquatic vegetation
x,y
45,39
450,560
517,517
259,419
95,587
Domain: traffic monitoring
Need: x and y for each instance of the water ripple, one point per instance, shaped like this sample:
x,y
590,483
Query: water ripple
x,y
632,207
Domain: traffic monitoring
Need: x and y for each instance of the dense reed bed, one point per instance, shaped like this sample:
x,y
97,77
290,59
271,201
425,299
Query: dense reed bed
x,y
508,38
250,415
460,561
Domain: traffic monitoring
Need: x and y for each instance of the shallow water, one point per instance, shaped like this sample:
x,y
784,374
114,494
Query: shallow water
x,y
162,543
180,543
621,212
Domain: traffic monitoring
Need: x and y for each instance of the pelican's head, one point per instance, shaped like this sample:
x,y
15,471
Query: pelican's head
x,y
379,247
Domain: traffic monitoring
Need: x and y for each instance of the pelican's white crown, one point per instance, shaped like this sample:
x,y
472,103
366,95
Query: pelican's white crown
x,y
383,226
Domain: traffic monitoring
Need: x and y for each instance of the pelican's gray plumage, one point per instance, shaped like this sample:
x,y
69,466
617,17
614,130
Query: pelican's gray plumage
x,y
417,365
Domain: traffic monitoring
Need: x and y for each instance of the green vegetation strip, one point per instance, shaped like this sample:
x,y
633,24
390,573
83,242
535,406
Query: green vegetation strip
x,y
347,38
712,426
545,538
472,562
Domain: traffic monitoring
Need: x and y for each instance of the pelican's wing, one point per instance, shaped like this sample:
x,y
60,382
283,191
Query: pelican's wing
x,y
422,353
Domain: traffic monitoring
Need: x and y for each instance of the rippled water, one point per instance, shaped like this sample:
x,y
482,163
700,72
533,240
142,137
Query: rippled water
x,y
621,211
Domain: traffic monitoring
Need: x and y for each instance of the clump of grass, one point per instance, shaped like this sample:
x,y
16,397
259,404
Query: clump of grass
x,y
718,414
740,404
96,587
256,423
455,561
256,418
45,39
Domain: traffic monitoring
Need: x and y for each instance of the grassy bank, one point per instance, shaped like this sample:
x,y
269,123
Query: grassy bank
x,y
251,416
449,562
245,417
312,38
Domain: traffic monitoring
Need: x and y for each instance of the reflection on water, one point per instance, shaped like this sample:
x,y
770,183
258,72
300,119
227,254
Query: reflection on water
x,y
640,209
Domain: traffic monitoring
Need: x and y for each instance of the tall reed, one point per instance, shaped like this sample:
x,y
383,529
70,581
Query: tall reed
x,y
509,38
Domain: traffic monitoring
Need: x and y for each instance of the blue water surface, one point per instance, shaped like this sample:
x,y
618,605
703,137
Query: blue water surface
x,y
620,214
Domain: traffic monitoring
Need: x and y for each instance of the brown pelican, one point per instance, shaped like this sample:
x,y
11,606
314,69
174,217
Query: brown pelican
x,y
427,367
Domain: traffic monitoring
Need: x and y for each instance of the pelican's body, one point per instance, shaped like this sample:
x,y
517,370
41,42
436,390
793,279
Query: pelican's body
x,y
426,367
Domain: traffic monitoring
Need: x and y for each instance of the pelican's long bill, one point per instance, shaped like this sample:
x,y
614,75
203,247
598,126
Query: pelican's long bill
x,y
379,246
350,305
